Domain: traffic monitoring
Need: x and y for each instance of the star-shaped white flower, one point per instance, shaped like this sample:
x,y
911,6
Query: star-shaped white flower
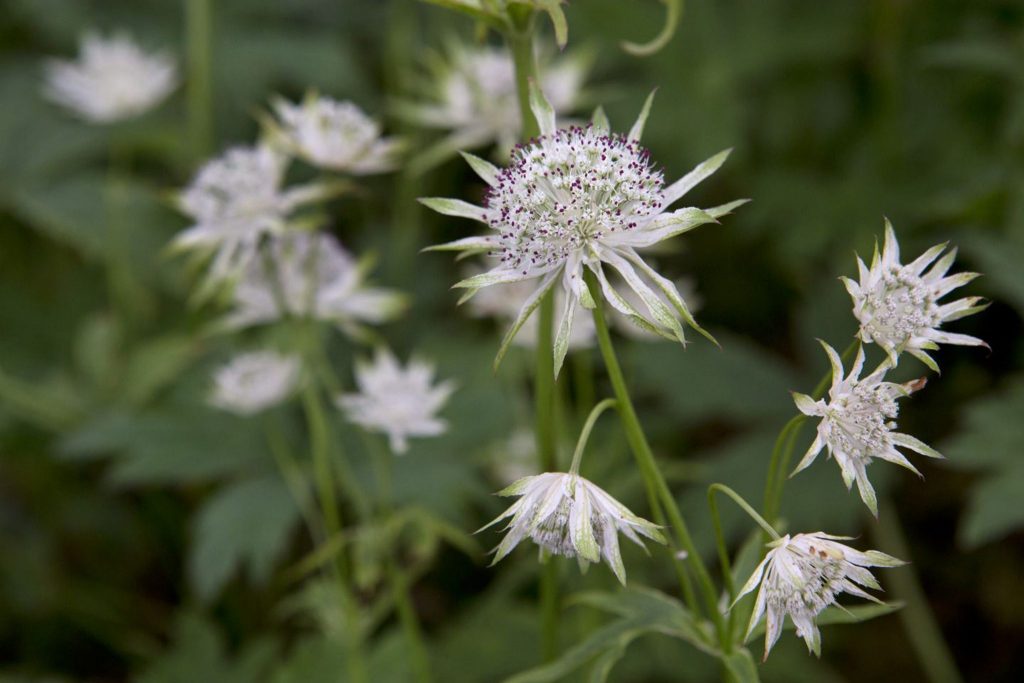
x,y
568,515
400,402
236,200
310,275
857,424
335,135
581,198
898,305
474,95
252,382
801,576
113,79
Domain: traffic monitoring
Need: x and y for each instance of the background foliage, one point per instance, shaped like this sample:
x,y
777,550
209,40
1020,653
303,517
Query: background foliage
x,y
145,536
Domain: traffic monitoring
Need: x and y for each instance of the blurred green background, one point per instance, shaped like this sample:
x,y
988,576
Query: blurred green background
x,y
144,536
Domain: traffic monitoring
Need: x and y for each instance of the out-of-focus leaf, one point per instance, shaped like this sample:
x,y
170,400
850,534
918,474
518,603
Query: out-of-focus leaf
x,y
245,525
155,364
1000,260
317,659
198,654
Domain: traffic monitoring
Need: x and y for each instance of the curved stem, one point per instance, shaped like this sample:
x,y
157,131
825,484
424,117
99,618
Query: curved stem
x,y
645,458
588,426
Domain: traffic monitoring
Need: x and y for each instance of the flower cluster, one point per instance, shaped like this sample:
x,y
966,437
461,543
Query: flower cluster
x,y
112,80
801,576
576,199
252,382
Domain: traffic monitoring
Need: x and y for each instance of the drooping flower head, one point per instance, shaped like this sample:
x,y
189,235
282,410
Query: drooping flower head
x,y
474,95
310,275
235,200
401,402
335,135
857,424
898,305
113,79
567,515
252,382
801,576
581,198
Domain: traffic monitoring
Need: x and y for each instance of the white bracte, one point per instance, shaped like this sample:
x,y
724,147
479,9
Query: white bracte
x,y
857,423
473,94
400,402
310,275
252,382
235,200
567,515
898,305
113,79
801,576
580,198
334,135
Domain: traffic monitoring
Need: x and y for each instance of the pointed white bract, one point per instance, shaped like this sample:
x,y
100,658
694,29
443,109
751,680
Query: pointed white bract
x,y
801,576
400,402
113,79
252,382
567,515
334,135
474,95
582,198
857,424
310,275
235,200
898,305
628,327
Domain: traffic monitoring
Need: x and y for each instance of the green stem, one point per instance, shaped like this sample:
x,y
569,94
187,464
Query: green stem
x,y
645,458
919,623
588,426
520,43
199,79
291,472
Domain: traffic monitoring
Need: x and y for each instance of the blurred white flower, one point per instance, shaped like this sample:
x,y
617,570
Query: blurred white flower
x,y
235,200
857,424
514,456
801,576
253,382
310,275
113,79
334,135
474,94
568,515
581,198
400,402
897,305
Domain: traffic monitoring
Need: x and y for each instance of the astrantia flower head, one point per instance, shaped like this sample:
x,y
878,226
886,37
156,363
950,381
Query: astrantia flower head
x,y
310,275
857,424
334,135
801,576
475,95
253,382
568,515
581,198
235,200
113,79
898,305
400,402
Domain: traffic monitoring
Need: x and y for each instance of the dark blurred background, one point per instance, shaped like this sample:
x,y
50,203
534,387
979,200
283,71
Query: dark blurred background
x,y
114,564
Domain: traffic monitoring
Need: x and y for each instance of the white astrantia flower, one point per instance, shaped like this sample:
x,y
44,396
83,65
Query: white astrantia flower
x,y
253,382
857,423
575,199
801,576
310,275
474,95
567,515
400,402
335,135
113,79
505,301
898,305
236,200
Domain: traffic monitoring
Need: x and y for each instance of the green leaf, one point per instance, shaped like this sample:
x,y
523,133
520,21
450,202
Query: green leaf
x,y
742,666
245,525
